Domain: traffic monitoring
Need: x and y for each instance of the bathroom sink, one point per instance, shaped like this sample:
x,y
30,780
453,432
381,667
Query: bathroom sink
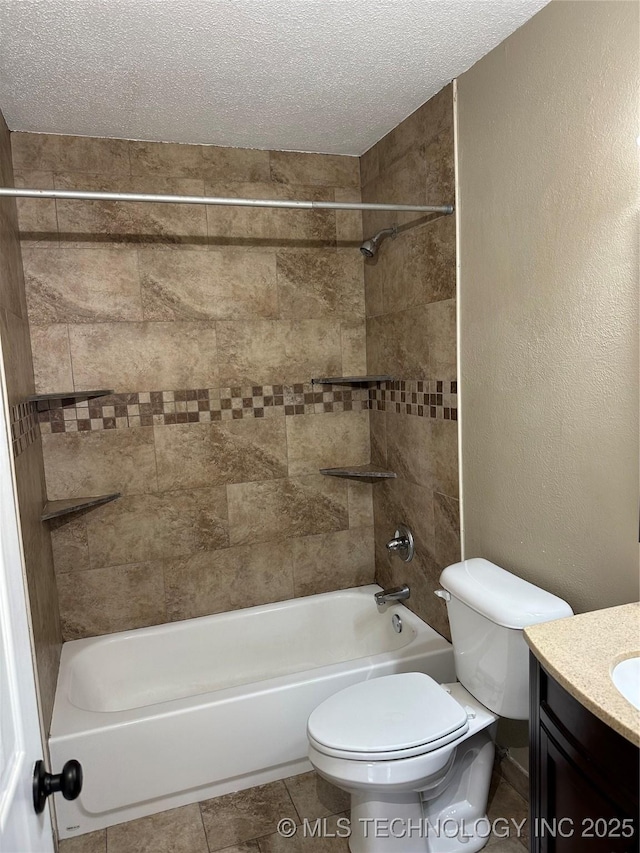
x,y
626,677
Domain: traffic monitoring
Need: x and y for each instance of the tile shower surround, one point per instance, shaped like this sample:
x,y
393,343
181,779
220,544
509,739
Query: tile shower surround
x,y
435,399
215,308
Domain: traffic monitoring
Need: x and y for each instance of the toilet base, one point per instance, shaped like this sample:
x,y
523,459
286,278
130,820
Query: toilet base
x,y
448,819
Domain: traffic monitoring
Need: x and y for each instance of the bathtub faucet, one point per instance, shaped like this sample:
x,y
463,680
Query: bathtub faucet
x,y
396,593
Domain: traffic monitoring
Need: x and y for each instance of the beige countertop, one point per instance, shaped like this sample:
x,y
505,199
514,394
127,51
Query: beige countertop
x,y
580,652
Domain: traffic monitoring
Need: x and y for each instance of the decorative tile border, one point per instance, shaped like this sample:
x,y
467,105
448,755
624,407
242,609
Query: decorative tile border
x,y
433,398
198,405
24,427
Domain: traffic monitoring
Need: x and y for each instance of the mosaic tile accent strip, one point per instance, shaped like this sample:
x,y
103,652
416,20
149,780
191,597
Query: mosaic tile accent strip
x,y
197,405
434,398
24,427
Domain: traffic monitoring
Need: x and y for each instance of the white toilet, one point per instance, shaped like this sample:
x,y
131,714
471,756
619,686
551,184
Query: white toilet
x,y
416,756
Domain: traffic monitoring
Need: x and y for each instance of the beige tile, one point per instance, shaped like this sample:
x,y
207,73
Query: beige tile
x,y
41,584
360,497
441,325
37,217
409,448
398,343
438,112
70,153
141,356
235,818
444,447
245,847
200,455
320,283
216,581
330,836
349,222
270,227
505,802
101,601
174,831
70,286
447,529
369,165
417,343
328,170
401,501
408,136
422,575
51,359
332,440
195,285
278,351
14,334
378,437
440,176
155,527
515,775
90,224
69,544
333,561
261,512
419,266
314,797
12,288
166,158
82,464
235,164
91,842
354,347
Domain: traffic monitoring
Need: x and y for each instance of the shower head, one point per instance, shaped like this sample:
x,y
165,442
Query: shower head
x,y
370,247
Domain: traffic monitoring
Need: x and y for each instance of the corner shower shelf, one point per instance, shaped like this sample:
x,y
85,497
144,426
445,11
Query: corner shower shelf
x,y
349,380
54,509
68,395
370,473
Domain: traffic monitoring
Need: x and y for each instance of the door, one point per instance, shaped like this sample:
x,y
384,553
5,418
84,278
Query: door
x,y
21,830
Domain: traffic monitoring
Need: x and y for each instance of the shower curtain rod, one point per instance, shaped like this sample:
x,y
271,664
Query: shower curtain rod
x,y
83,195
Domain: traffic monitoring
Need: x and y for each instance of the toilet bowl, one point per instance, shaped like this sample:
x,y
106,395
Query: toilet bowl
x,y
416,756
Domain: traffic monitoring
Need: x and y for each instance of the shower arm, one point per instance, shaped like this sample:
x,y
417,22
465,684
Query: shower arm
x,y
90,195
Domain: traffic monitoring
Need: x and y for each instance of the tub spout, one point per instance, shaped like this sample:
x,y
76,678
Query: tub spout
x,y
397,593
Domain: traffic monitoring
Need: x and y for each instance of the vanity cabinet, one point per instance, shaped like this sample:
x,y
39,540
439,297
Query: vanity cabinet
x,y
584,776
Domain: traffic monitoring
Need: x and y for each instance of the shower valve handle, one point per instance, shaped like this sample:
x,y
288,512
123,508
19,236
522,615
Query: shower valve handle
x,y
68,783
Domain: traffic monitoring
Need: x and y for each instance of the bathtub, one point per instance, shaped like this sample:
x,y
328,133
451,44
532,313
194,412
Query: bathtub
x,y
165,716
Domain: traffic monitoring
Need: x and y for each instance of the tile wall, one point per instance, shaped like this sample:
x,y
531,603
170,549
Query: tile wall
x,y
27,447
410,289
208,324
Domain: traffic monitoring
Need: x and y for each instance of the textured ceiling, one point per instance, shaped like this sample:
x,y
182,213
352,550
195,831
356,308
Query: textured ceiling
x,y
310,75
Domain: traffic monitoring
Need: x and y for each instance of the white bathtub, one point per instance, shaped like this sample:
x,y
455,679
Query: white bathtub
x,y
164,716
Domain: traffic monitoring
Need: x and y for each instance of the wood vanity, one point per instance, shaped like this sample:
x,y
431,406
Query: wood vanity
x,y
584,736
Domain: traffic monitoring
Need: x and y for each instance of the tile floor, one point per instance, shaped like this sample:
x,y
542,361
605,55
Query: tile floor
x,y
245,822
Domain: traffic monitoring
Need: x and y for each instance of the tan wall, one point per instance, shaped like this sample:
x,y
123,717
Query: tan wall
x,y
548,200
411,335
208,324
27,448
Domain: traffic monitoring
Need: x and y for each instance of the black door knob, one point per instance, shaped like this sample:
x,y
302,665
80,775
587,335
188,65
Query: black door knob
x,y
68,783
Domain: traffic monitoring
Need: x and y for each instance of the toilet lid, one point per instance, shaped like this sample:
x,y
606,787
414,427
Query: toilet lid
x,y
395,712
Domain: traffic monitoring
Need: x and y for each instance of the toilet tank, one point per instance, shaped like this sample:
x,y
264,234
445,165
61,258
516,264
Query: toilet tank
x,y
488,608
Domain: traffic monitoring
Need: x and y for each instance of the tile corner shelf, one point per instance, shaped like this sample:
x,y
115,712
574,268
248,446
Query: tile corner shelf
x,y
55,509
68,395
360,472
349,380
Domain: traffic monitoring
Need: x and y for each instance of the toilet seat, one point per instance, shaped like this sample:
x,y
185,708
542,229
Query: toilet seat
x,y
395,716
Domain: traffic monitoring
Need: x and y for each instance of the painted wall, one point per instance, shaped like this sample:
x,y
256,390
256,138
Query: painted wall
x,y
209,325
548,204
411,335
27,447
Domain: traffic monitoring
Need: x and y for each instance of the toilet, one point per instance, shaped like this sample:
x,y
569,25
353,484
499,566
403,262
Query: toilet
x,y
417,756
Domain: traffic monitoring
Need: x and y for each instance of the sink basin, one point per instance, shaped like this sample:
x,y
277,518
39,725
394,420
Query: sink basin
x,y
626,677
